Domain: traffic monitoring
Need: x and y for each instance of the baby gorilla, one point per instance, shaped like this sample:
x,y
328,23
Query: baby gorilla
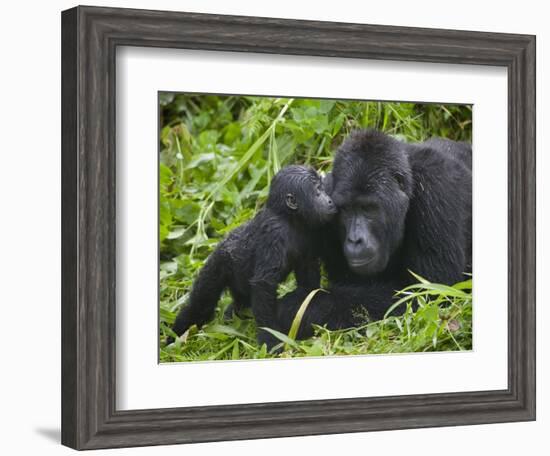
x,y
257,256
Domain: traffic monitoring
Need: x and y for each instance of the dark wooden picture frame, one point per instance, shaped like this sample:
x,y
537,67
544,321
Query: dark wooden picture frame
x,y
90,36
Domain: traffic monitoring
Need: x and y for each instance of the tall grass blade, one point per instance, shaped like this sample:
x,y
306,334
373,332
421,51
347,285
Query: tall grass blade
x,y
300,314
282,337
249,153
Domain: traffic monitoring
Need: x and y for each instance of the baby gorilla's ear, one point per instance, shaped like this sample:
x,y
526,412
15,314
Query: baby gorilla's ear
x,y
290,200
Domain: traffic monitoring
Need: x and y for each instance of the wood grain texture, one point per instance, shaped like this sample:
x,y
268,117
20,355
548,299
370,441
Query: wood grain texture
x,y
69,229
89,39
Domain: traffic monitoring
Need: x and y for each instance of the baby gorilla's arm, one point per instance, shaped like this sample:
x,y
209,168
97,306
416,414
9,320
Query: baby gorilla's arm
x,y
308,274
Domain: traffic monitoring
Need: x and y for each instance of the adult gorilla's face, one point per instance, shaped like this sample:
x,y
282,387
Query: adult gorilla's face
x,y
370,230
371,186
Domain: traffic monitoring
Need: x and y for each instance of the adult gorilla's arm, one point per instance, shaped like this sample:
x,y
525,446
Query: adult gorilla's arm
x,y
438,236
341,306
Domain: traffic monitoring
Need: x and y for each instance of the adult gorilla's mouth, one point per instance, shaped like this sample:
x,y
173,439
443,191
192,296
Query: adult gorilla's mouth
x,y
360,263
365,265
362,266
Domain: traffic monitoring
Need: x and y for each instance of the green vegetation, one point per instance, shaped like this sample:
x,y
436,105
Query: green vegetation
x,y
217,157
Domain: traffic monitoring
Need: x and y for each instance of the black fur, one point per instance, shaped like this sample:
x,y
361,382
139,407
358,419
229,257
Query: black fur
x,y
257,256
401,207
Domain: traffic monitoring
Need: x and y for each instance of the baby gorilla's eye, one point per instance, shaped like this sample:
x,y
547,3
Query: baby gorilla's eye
x,y
318,190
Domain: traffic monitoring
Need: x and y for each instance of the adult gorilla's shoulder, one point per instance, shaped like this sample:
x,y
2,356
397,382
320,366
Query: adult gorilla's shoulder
x,y
402,207
438,236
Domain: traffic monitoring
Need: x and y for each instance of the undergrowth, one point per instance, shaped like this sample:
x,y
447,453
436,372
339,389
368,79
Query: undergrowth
x,y
218,155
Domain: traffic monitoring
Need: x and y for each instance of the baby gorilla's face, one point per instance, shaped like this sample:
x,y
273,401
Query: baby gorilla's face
x,y
306,196
324,208
298,192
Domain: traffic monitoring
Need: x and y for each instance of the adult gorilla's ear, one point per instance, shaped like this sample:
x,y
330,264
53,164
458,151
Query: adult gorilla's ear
x,y
328,183
291,202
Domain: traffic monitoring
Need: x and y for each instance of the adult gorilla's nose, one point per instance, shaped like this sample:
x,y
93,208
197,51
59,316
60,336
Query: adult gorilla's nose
x,y
360,246
355,239
359,251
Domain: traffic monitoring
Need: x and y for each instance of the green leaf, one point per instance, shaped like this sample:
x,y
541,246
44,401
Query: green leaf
x,y
227,347
229,330
165,175
235,354
466,285
250,152
315,350
200,159
167,316
263,352
337,126
282,337
177,233
419,278
300,314
326,106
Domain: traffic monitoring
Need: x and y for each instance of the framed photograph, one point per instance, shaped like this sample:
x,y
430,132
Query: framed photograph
x,y
280,228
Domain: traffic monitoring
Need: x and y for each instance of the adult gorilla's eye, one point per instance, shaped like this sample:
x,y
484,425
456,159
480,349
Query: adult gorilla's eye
x,y
370,207
400,179
368,204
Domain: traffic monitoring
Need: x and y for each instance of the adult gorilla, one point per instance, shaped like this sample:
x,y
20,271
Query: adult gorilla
x,y
401,207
